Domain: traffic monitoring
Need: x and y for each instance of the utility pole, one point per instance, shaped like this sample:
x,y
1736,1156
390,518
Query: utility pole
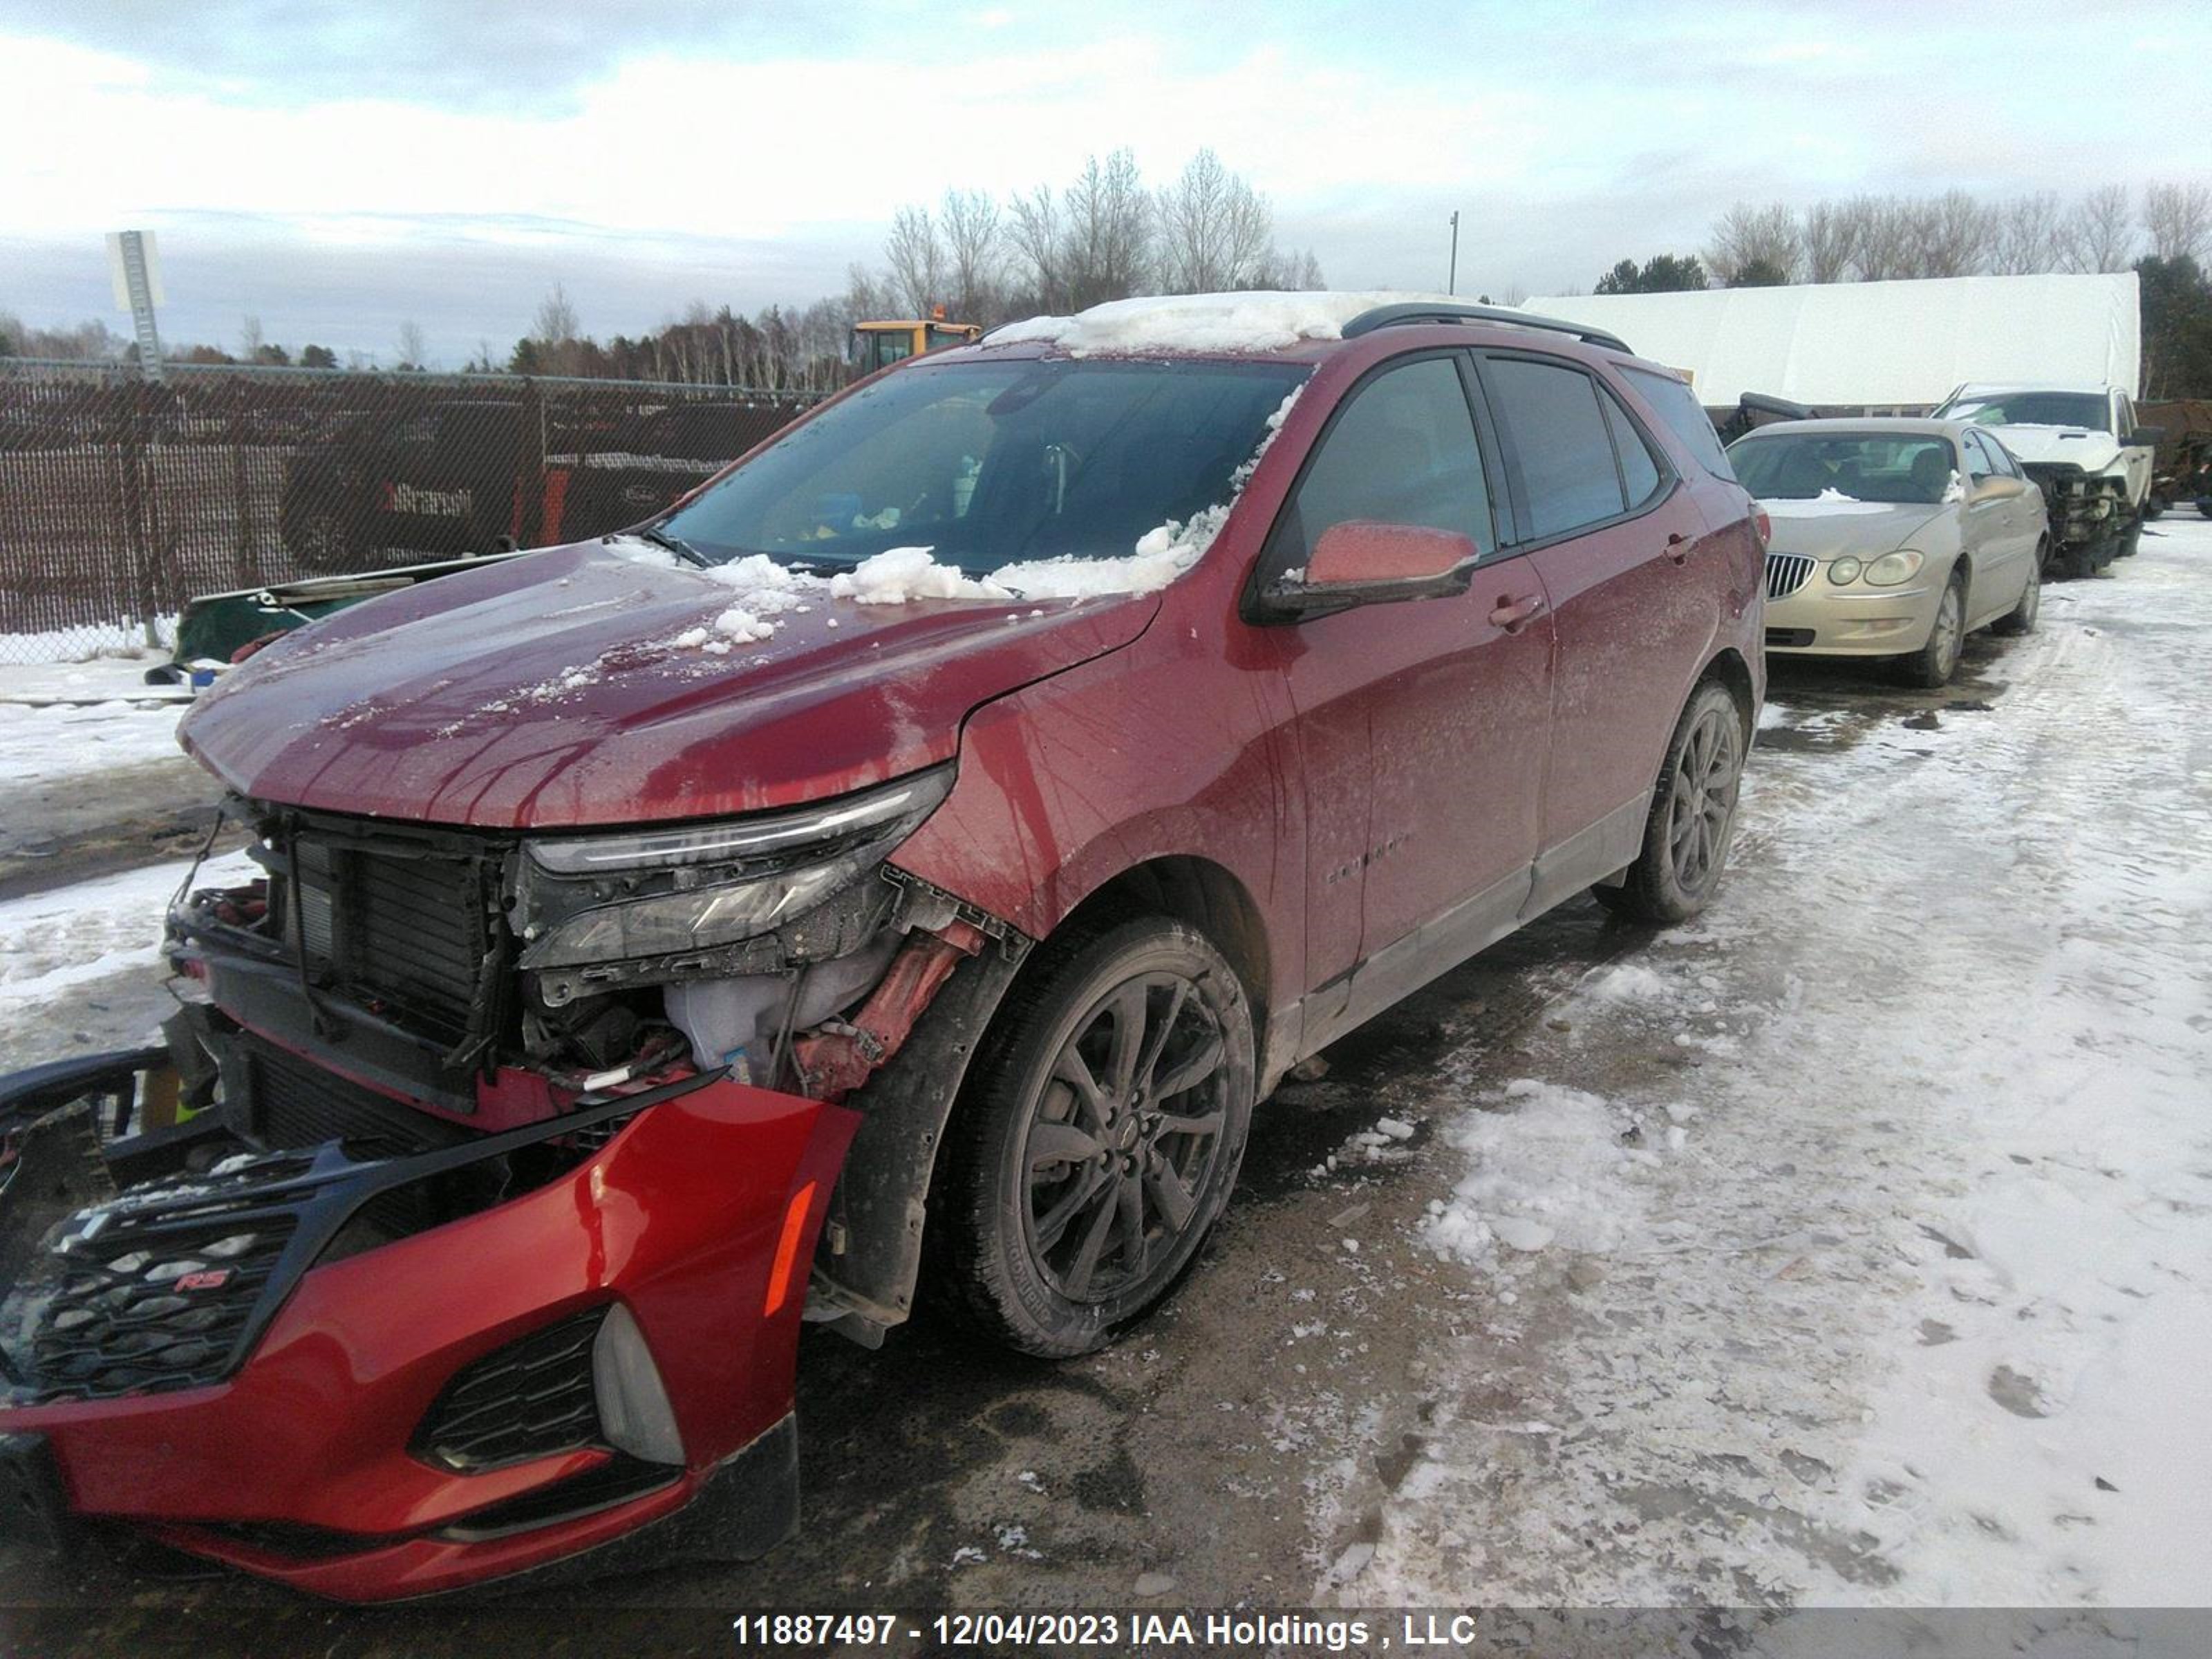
x,y
1451,282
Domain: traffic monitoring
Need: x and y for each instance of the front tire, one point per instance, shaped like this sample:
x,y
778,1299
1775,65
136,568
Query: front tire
x,y
1097,1140
1693,818
1931,666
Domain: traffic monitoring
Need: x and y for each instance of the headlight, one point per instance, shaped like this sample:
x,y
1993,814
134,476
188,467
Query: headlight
x,y
613,898
1844,570
1891,568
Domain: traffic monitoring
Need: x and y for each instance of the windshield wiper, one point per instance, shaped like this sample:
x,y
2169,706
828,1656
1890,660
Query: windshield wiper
x,y
680,549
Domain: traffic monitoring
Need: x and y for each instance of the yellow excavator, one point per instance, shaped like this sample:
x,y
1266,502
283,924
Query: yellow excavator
x,y
883,344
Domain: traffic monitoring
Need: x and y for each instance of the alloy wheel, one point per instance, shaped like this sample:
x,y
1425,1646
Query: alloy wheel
x,y
1703,800
1123,1137
1949,635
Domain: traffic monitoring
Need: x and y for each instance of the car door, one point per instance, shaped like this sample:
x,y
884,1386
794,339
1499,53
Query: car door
x,y
1636,590
1997,531
1421,723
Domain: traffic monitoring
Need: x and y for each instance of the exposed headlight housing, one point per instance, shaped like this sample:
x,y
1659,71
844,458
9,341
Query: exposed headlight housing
x,y
611,898
1841,571
1891,569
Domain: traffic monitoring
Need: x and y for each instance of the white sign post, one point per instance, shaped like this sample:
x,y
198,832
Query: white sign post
x,y
135,267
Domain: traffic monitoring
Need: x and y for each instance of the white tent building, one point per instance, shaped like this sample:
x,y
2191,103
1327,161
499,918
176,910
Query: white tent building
x,y
1889,347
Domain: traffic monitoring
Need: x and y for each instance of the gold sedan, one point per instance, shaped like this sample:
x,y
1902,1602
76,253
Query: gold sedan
x,y
1893,539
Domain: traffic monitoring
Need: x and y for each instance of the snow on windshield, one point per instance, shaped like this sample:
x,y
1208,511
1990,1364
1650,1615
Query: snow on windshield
x,y
762,590
1829,500
1261,321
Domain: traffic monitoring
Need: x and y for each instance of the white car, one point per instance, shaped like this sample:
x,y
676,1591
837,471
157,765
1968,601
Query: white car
x,y
2081,446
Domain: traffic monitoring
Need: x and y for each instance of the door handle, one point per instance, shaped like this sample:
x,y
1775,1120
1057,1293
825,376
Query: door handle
x,y
1678,547
1513,615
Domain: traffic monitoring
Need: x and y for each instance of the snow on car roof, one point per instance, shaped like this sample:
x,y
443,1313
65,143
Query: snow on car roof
x,y
1259,321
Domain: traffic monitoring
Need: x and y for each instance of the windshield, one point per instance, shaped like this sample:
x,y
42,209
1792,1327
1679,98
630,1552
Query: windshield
x,y
1805,466
994,464
2084,409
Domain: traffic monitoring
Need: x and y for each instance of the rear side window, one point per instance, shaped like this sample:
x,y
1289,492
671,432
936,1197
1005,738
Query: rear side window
x,y
1674,403
1558,432
1403,451
1640,472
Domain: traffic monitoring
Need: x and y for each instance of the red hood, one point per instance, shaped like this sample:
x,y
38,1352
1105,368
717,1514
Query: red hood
x,y
547,692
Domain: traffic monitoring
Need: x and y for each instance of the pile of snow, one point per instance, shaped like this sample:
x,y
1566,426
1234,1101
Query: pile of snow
x,y
1260,321
760,589
898,574
52,941
1829,500
1551,1170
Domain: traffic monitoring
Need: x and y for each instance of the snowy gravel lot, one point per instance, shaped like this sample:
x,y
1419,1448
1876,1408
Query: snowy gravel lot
x,y
1852,1245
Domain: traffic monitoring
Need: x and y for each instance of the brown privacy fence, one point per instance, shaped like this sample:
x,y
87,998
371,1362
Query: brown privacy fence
x,y
120,497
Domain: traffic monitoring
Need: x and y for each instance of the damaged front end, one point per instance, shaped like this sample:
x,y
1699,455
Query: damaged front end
x,y
484,1228
2088,513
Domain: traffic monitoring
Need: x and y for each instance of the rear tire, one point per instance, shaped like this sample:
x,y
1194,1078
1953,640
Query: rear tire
x,y
1931,666
1097,1140
1692,817
2020,619
2130,539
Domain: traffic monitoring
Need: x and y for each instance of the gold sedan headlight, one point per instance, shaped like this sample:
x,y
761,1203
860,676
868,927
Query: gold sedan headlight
x,y
1891,569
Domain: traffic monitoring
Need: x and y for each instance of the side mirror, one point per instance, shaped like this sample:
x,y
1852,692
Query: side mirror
x,y
1364,562
2144,437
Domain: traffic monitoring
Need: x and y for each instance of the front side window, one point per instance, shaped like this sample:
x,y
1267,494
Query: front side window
x,y
993,463
1402,452
1568,477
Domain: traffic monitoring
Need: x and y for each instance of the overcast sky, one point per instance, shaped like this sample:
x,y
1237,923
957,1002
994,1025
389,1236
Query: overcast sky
x,y
339,169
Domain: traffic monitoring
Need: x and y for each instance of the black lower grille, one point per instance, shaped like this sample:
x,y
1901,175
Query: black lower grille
x,y
532,1398
156,1290
1788,636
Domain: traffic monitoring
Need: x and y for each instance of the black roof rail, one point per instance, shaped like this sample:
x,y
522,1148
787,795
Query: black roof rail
x,y
1422,311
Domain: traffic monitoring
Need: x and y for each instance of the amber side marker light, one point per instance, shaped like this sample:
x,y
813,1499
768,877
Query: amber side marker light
x,y
786,1249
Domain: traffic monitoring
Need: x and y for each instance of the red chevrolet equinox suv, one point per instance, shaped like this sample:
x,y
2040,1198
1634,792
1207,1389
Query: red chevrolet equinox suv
x,y
909,863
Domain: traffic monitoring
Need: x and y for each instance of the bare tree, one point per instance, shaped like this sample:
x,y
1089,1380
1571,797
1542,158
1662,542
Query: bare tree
x,y
1748,237
2028,239
1883,238
2100,232
974,250
1107,248
1952,234
2178,218
555,322
917,259
413,353
1829,241
1034,229
1214,228
250,339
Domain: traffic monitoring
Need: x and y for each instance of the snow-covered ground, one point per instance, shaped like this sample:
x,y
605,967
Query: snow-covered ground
x,y
1855,1243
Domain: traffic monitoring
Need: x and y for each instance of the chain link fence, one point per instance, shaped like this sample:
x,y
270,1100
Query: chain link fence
x,y
120,498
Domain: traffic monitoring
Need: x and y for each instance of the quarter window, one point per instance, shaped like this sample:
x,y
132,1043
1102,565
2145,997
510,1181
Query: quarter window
x,y
1639,473
1678,407
1980,463
1403,451
1558,434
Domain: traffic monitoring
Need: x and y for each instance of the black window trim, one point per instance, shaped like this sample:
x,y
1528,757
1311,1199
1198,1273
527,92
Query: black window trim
x,y
1670,476
1267,567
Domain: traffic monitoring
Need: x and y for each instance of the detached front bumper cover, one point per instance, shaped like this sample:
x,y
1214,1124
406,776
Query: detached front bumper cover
x,y
241,1365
